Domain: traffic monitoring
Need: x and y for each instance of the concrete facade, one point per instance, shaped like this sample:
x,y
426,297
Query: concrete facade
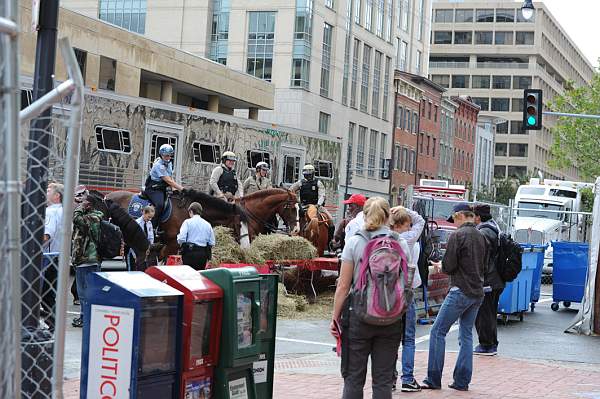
x,y
146,68
486,50
483,169
465,134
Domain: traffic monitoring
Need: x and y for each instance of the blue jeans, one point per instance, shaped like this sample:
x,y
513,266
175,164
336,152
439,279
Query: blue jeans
x,y
81,274
456,306
408,344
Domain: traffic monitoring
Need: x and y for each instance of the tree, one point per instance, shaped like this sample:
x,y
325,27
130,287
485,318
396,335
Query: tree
x,y
506,190
576,140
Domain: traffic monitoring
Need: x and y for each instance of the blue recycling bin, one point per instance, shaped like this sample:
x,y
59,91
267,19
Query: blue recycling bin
x,y
131,337
535,253
516,297
569,271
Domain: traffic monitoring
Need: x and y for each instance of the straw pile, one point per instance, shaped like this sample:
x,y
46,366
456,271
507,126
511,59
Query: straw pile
x,y
226,249
280,247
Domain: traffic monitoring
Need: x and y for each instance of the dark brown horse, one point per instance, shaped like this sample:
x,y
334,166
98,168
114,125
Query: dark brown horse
x,y
315,228
262,206
216,211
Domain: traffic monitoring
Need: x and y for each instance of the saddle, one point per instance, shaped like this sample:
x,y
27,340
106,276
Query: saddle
x,y
139,201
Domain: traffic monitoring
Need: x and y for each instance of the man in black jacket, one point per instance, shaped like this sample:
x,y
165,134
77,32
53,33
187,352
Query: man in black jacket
x,y
493,285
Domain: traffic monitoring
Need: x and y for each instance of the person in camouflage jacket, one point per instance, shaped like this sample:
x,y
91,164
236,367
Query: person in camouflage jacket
x,y
84,250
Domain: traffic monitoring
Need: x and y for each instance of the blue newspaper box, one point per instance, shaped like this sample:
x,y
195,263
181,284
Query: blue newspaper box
x,y
131,337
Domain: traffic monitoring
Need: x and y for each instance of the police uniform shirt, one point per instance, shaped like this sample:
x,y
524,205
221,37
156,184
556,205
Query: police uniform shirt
x,y
54,214
148,231
197,231
161,169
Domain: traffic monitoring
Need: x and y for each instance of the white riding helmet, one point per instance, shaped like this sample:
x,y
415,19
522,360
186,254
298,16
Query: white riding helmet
x,y
262,165
228,156
308,170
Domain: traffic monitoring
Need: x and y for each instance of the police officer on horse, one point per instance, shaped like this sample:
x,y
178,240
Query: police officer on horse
x,y
161,178
223,181
259,181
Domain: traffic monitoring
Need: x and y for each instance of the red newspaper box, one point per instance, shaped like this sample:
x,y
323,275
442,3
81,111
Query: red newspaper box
x,y
202,313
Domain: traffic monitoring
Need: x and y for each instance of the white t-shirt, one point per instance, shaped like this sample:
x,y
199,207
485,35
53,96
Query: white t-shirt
x,y
355,224
52,227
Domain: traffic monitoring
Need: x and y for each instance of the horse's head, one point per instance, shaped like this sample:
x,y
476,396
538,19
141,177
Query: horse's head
x,y
288,211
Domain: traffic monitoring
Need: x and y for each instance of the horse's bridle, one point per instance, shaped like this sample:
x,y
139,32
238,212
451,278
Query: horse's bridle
x,y
289,203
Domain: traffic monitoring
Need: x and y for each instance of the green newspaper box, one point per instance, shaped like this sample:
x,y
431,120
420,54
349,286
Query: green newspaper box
x,y
263,368
240,339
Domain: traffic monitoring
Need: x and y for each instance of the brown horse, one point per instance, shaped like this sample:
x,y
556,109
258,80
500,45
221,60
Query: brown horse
x,y
216,211
262,206
315,227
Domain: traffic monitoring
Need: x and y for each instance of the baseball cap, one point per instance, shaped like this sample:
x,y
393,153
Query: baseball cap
x,y
357,199
460,207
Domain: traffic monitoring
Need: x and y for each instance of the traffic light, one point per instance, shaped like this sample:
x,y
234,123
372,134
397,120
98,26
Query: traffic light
x,y
532,109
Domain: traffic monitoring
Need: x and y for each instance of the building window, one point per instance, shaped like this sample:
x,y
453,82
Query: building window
x,y
522,82
397,157
504,38
207,153
415,123
500,82
376,83
255,156
407,121
502,128
364,88
435,113
433,147
526,38
355,61
405,164
518,150
484,37
420,20
382,148
324,120
517,105
402,49
323,169
516,127
128,14
463,37
372,153
112,139
485,15
351,129
108,73
405,13
418,62
291,168
261,38
329,3
369,15
357,10
220,31
81,57
501,150
399,123
460,81
517,171
444,16
389,20
300,73
481,81
464,16
500,104
326,60
499,172
302,44
386,87
379,10
442,80
360,150
442,37
505,15
429,111
412,161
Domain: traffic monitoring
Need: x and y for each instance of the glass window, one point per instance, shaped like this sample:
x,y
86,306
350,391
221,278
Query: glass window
x,y
516,127
326,59
372,152
245,321
402,54
501,150
369,15
379,11
397,157
522,82
200,329
364,88
386,87
300,73
500,82
323,169
518,150
420,20
444,16
108,73
405,13
502,127
463,37
415,124
504,38
324,120
291,168
484,37
517,105
500,104
255,156
354,84
460,81
412,162
418,62
483,102
526,38
360,150
481,81
81,57
400,117
442,80
442,37
111,139
382,147
127,14
388,20
261,38
485,15
505,15
517,171
351,129
464,16
220,31
376,83
209,153
499,172
357,10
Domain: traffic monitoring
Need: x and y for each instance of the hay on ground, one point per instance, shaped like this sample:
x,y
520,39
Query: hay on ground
x,y
226,249
279,247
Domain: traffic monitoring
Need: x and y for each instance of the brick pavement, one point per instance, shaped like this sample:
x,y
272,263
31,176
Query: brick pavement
x,y
317,376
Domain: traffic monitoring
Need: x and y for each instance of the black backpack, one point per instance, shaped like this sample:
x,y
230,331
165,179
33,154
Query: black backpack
x,y
111,237
510,258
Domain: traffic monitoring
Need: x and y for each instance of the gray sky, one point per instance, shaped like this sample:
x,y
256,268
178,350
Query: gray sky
x,y
581,20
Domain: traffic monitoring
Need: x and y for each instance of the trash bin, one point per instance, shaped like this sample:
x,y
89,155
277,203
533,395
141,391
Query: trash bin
x,y
516,297
535,253
569,271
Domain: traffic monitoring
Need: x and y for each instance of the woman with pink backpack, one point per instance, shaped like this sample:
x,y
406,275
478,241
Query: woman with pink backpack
x,y
372,295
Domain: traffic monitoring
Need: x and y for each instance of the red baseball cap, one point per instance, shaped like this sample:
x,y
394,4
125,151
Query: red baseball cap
x,y
357,199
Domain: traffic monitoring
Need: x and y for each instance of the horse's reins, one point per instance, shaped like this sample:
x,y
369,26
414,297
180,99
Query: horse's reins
x,y
267,224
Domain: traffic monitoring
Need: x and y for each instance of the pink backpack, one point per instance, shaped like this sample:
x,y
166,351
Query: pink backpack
x,y
382,291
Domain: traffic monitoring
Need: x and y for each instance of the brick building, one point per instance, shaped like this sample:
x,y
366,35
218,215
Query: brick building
x,y
465,133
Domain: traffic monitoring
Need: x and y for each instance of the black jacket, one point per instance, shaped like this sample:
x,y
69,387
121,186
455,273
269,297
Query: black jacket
x,y
491,232
465,260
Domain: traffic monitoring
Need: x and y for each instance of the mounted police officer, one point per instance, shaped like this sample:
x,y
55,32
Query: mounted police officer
x,y
312,192
223,182
259,181
160,178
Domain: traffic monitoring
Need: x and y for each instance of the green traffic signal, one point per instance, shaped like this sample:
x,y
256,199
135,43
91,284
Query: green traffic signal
x,y
531,121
